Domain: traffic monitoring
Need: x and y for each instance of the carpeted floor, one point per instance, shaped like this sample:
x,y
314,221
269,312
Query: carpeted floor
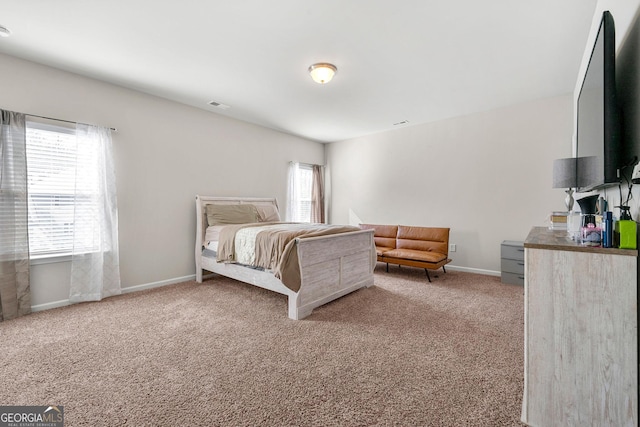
x,y
404,352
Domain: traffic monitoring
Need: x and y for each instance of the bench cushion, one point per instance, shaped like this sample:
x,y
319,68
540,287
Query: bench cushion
x,y
416,255
382,250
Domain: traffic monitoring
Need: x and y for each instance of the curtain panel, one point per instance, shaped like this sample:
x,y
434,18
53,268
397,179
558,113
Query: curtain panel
x,y
95,268
317,195
15,294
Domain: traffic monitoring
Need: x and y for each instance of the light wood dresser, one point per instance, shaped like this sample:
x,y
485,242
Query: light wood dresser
x,y
581,333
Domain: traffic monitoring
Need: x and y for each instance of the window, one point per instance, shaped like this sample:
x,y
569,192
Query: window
x,y
300,188
305,178
52,155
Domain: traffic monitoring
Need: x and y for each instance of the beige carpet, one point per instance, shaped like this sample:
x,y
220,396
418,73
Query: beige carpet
x,y
404,352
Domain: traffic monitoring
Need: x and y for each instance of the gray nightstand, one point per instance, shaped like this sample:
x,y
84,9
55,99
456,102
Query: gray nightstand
x,y
512,262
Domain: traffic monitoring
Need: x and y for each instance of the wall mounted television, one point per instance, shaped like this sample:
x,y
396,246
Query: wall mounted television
x,y
598,126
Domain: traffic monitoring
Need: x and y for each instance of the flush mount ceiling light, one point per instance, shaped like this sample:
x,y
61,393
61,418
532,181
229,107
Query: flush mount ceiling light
x,y
322,72
4,32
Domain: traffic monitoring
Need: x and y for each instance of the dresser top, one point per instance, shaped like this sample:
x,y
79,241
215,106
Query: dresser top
x,y
543,238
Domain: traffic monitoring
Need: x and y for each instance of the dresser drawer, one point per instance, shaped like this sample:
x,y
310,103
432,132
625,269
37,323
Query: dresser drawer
x,y
512,266
512,250
512,278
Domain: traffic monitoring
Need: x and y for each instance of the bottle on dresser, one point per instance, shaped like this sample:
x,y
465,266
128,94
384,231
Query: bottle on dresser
x,y
625,230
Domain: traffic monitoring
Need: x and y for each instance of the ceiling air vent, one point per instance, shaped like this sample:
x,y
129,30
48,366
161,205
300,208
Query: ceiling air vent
x,y
219,105
404,122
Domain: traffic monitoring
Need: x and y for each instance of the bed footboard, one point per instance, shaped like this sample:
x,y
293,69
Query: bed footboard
x,y
330,267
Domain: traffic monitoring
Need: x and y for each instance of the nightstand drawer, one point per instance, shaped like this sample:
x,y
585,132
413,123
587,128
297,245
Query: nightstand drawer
x,y
512,262
512,250
512,266
512,278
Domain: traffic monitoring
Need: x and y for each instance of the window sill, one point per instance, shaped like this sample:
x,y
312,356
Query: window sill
x,y
55,258
49,259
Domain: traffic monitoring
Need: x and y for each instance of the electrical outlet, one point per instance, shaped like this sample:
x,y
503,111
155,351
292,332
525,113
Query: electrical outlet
x,y
452,247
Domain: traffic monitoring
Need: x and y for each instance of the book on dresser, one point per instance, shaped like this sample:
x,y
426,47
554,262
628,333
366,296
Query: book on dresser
x,y
558,220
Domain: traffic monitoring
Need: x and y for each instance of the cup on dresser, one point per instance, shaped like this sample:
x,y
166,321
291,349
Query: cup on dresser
x,y
574,225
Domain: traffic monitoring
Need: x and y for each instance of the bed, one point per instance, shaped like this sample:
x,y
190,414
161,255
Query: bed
x,y
320,266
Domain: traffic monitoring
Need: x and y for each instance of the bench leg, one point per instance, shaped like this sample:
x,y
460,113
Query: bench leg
x,y
427,271
387,267
444,269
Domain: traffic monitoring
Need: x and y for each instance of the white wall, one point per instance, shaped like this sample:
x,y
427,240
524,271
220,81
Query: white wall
x,y
487,176
165,154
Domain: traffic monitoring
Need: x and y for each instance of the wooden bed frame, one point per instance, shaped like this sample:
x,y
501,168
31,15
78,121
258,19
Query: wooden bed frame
x,y
330,266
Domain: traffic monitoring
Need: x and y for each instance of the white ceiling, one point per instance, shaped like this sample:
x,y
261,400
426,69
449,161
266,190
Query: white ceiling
x,y
415,60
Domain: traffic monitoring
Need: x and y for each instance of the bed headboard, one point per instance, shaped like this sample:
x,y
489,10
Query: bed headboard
x,y
203,201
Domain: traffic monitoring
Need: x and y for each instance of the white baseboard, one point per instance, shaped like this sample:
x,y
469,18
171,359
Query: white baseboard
x,y
158,284
63,303
473,270
50,305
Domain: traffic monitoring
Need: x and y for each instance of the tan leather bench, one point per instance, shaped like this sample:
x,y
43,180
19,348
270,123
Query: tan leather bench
x,y
423,247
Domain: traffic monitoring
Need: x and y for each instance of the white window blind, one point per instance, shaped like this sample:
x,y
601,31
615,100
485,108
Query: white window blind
x,y
304,180
52,155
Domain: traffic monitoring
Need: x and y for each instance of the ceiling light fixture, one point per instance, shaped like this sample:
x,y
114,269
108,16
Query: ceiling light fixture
x,y
4,32
322,72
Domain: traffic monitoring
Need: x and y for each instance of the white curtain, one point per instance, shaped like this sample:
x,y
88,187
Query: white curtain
x,y
293,193
95,269
15,299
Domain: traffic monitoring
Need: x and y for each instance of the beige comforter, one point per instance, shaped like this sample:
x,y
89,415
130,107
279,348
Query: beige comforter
x,y
275,246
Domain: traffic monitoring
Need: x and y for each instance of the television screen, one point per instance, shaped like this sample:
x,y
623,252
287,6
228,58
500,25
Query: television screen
x,y
598,142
